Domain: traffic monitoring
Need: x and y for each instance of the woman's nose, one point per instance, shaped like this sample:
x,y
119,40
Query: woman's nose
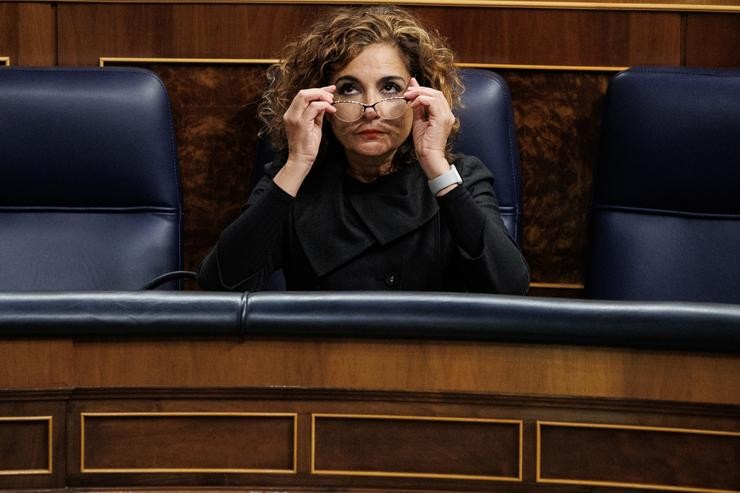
x,y
370,113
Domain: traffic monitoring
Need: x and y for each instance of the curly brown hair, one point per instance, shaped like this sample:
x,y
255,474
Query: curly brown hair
x,y
335,40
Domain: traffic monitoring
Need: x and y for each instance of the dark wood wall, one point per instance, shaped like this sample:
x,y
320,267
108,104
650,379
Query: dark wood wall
x,y
557,62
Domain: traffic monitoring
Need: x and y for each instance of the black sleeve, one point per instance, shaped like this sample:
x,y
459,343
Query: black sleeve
x,y
250,248
491,260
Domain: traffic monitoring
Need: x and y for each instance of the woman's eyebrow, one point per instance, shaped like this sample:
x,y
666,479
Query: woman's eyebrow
x,y
348,78
392,78
385,78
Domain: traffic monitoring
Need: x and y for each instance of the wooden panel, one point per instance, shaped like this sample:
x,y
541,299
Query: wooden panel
x,y
9,31
32,439
27,33
25,445
408,438
669,5
562,37
678,459
412,366
37,35
88,31
558,117
713,40
35,363
512,36
187,442
395,446
404,431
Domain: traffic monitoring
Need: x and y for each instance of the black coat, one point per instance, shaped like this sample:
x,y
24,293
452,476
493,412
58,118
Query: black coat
x,y
339,234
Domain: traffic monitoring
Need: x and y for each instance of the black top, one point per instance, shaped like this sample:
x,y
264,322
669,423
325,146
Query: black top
x,y
340,234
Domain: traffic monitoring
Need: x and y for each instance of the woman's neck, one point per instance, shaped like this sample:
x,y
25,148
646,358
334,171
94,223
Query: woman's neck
x,y
368,169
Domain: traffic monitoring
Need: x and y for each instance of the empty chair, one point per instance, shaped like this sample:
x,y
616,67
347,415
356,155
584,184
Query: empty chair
x,y
666,210
89,186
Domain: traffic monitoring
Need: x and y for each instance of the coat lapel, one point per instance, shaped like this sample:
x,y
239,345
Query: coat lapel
x,y
337,219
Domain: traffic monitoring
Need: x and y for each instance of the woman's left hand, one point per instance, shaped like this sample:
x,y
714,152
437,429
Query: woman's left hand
x,y
433,122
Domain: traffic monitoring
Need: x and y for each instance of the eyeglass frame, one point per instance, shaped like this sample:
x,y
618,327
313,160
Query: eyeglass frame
x,y
366,106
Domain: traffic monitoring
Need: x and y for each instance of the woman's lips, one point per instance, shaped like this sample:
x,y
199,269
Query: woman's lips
x,y
370,134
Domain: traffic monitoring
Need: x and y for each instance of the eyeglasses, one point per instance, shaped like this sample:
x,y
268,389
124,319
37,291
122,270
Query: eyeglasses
x,y
387,109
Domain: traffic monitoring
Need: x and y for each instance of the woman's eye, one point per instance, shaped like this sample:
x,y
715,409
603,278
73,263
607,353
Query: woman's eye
x,y
390,88
347,89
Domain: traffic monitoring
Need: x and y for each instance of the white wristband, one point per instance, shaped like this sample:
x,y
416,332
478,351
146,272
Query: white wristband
x,y
444,180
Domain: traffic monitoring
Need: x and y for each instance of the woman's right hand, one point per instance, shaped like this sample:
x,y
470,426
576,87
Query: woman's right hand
x,y
303,123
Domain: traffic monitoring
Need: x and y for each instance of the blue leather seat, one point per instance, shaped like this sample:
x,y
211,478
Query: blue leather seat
x,y
487,131
666,206
89,186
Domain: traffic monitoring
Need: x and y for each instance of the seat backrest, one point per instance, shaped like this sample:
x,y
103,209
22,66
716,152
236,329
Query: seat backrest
x,y
89,185
665,221
487,131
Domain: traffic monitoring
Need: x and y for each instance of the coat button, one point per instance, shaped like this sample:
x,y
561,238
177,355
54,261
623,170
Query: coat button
x,y
391,279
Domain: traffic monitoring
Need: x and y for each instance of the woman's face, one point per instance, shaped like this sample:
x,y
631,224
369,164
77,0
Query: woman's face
x,y
378,72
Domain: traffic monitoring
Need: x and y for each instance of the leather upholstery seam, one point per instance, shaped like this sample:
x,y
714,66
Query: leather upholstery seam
x,y
101,210
663,212
511,148
700,74
244,314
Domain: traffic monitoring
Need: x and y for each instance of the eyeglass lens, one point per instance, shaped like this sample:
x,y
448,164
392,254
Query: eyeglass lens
x,y
387,109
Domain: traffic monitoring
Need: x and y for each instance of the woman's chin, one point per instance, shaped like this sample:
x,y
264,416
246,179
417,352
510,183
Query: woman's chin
x,y
372,149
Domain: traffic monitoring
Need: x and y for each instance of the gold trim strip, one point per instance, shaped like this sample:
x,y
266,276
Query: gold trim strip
x,y
645,486
221,61
513,66
49,470
696,431
395,474
530,4
556,285
5,60
269,61
630,6
154,470
84,469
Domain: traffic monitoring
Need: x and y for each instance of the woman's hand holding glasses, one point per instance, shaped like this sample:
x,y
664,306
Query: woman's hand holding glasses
x,y
433,122
303,121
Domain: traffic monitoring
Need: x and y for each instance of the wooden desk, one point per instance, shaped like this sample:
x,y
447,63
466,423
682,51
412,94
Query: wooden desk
x,y
357,414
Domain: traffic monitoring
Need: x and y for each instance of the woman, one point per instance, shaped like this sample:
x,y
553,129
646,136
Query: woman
x,y
366,192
